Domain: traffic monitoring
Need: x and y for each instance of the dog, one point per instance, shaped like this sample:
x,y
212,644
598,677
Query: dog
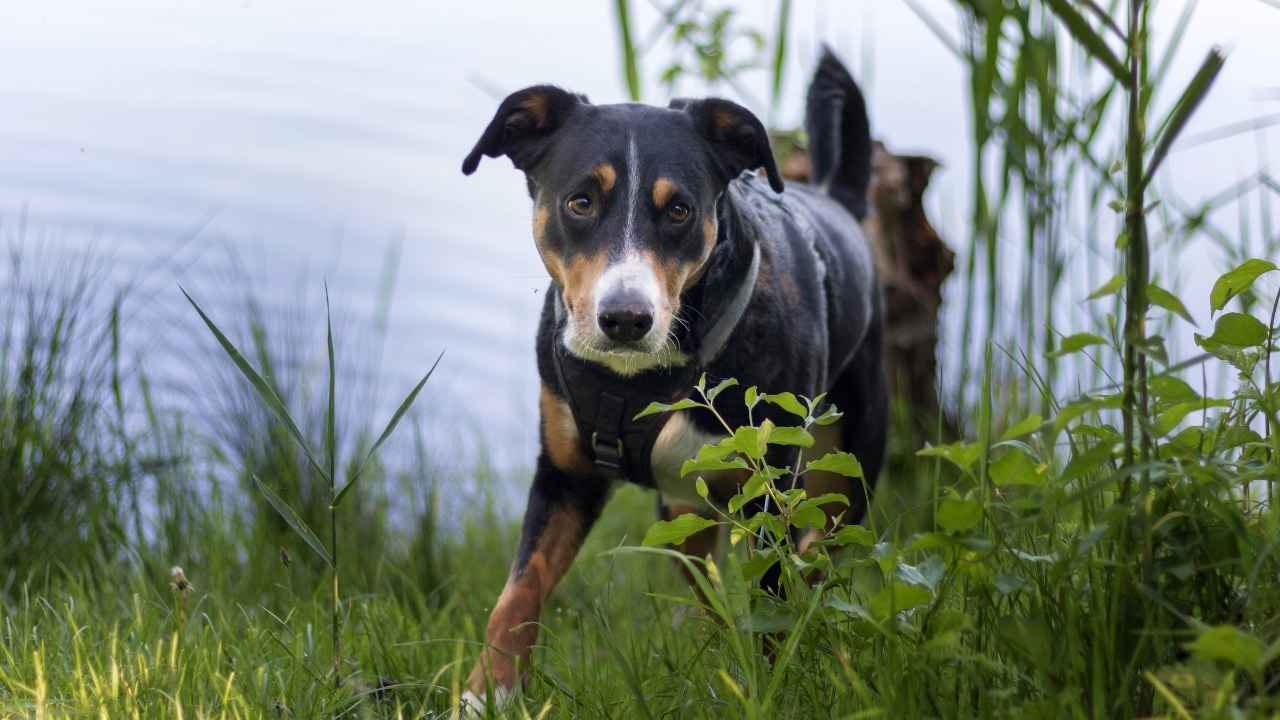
x,y
674,251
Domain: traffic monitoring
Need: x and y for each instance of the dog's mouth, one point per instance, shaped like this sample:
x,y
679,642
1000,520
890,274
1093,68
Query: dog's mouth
x,y
625,358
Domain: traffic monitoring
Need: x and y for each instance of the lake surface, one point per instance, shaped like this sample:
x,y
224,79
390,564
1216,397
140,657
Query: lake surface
x,y
279,145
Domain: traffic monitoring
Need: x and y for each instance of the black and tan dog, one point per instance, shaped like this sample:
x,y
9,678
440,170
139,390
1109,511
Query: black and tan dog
x,y
670,256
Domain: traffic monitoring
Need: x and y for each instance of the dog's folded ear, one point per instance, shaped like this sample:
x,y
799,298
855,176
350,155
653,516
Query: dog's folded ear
x,y
737,137
523,124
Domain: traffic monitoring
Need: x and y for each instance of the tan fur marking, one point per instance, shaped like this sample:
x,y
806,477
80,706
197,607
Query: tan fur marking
x,y
512,628
550,258
677,277
580,277
606,175
663,190
536,105
560,435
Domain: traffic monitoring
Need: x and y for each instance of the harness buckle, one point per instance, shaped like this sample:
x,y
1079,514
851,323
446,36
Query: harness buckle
x,y
608,457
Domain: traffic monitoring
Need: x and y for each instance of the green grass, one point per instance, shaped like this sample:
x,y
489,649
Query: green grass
x,y
1055,563
1027,572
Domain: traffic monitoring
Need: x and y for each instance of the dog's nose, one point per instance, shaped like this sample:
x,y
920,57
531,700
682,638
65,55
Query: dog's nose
x,y
625,317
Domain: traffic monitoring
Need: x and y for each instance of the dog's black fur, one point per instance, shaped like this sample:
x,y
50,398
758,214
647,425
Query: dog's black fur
x,y
813,323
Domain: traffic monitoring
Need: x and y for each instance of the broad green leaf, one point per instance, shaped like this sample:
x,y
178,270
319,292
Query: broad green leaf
x,y
751,440
1168,419
961,454
1076,409
855,535
955,515
830,417
701,486
1170,389
1076,343
827,499
291,518
1015,468
711,458
1026,426
676,531
1237,281
656,407
767,521
808,516
895,597
1085,462
1167,300
1110,287
386,432
753,488
751,397
720,387
1229,644
791,436
787,401
1239,330
837,461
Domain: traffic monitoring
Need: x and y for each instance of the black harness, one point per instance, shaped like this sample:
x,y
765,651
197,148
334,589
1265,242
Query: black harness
x,y
604,404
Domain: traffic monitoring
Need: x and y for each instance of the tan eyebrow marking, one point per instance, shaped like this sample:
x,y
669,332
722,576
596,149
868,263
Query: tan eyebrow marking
x,y
663,190
606,175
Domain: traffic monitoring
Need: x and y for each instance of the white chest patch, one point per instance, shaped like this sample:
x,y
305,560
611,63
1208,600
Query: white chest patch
x,y
678,441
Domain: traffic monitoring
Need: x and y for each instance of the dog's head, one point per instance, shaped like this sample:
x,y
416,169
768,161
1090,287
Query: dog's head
x,y
625,199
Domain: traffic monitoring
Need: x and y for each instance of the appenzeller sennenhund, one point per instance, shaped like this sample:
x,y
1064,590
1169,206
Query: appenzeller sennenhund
x,y
670,255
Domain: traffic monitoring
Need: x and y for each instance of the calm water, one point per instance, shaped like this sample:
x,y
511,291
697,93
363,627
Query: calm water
x,y
291,145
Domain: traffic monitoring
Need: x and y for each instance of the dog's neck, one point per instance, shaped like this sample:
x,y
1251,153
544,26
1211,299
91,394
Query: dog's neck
x,y
712,308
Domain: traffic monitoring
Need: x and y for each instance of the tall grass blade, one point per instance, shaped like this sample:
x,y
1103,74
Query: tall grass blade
x,y
1088,38
330,424
263,389
294,521
391,426
630,60
780,53
1185,107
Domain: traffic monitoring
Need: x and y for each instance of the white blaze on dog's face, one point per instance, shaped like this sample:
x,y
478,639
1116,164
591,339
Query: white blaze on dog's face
x,y
624,247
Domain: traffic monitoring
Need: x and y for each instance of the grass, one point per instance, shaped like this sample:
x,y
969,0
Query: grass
x,y
1114,553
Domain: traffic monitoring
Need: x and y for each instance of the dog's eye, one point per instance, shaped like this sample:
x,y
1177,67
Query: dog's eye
x,y
678,212
579,205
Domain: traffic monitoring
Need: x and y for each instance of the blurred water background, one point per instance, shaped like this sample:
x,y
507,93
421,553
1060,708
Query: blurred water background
x,y
261,148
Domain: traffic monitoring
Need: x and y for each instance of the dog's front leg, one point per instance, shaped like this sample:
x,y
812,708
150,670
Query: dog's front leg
x,y
560,512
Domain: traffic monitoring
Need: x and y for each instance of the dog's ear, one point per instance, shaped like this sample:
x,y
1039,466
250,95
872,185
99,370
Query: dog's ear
x,y
523,124
737,137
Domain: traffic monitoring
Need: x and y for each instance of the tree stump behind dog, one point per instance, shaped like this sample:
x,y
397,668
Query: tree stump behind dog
x,y
914,262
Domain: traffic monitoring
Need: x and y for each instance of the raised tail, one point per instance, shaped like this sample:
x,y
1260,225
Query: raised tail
x,y
839,134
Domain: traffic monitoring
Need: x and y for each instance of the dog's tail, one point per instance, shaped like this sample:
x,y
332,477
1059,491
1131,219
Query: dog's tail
x,y
839,134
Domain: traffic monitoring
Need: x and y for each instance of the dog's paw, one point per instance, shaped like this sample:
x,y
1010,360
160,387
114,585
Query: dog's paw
x,y
471,706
